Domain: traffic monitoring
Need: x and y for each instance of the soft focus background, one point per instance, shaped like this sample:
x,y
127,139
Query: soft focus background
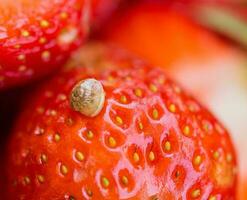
x,y
200,43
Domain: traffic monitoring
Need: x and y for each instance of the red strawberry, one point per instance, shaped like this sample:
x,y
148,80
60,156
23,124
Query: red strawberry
x,y
37,36
137,137
162,35
193,56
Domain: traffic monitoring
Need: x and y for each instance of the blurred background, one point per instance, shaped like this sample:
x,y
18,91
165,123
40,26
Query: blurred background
x,y
202,44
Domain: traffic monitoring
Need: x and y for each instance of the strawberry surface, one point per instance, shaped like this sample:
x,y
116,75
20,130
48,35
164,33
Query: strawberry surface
x,y
37,36
151,140
211,68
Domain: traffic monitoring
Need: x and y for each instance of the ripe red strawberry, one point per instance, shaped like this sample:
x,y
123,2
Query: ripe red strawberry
x,y
37,36
167,38
148,139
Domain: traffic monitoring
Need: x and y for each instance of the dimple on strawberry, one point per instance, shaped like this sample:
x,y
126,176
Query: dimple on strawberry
x,y
38,36
109,126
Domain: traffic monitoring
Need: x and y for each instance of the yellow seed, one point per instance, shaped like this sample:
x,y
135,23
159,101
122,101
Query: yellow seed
x,y
89,192
90,134
177,174
155,197
212,198
63,15
2,78
44,23
69,121
21,57
112,142
46,55
168,146
17,46
22,68
43,158
216,155
110,78
197,160
138,92
136,157
161,80
153,88
229,157
172,108
124,180
206,126
42,40
155,113
128,78
79,156
64,170
119,120
151,156
40,110
196,193
177,89
186,130
140,126
41,178
27,180
52,112
25,33
57,137
105,182
123,99
62,97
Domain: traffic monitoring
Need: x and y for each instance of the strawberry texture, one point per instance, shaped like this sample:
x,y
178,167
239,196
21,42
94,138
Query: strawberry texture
x,y
150,140
36,37
199,60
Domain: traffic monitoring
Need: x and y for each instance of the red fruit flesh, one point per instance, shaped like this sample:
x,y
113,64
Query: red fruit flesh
x,y
150,141
37,36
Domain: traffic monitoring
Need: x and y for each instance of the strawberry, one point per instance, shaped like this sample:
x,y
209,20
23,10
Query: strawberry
x,y
37,36
118,130
193,56
161,35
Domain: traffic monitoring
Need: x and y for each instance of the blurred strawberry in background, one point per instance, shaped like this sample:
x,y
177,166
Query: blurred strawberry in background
x,y
101,10
208,65
37,37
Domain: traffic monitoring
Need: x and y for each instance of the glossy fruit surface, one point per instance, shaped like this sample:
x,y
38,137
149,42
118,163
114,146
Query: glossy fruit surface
x,y
211,68
37,36
151,140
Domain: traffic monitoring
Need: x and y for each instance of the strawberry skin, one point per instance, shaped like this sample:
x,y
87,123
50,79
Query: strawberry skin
x,y
37,36
150,141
